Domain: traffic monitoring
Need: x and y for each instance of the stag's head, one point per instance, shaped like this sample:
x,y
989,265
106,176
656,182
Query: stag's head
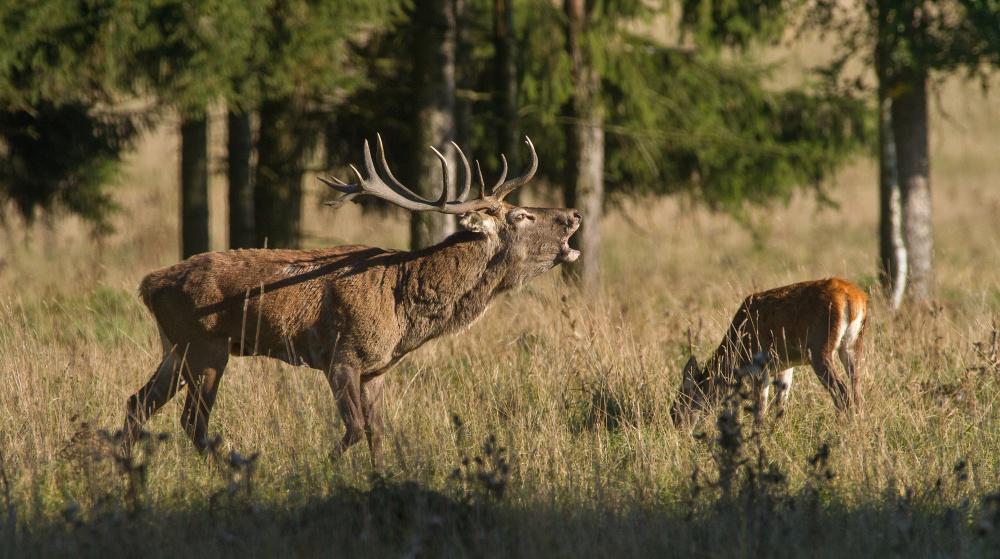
x,y
533,239
693,395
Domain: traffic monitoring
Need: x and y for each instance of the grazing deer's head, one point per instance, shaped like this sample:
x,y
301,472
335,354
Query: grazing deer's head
x,y
533,239
693,395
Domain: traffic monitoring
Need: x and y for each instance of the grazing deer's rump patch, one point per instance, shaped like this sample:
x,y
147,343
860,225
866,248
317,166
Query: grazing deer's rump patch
x,y
854,328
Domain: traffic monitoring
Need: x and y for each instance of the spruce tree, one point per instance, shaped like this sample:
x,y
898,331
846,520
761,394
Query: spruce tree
x,y
59,68
186,53
298,72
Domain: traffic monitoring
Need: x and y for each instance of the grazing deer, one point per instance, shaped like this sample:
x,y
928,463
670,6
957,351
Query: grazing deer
x,y
775,331
350,311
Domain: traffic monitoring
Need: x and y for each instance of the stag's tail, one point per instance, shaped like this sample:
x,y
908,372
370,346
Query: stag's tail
x,y
154,284
147,288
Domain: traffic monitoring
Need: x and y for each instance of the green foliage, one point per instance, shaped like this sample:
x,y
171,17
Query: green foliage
x,y
187,52
61,59
901,37
735,23
688,121
57,62
58,50
302,46
681,122
61,154
675,120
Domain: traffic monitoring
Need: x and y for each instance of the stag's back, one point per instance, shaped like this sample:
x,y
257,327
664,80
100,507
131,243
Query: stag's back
x,y
263,296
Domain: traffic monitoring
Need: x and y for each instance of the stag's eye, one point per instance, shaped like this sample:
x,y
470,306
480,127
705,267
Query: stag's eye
x,y
521,216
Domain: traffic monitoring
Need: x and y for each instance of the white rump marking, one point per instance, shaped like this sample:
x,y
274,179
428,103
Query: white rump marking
x,y
853,329
841,330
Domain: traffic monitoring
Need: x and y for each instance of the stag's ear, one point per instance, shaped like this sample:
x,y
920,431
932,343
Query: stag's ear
x,y
479,222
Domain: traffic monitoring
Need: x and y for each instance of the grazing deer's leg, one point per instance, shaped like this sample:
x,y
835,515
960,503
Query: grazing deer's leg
x,y
784,382
822,363
758,371
371,402
850,368
850,354
203,371
150,398
345,382
761,389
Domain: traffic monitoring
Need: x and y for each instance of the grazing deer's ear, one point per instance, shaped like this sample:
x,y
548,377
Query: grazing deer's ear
x,y
691,369
478,222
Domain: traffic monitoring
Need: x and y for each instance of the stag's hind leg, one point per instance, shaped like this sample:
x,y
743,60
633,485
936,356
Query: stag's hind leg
x,y
202,370
371,402
160,388
345,382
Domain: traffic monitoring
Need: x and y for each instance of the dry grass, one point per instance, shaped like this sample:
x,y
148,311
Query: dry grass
x,y
575,390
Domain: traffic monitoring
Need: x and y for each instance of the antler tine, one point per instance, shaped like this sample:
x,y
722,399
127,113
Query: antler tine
x,y
380,150
445,179
468,174
374,186
507,187
482,183
503,175
401,196
337,184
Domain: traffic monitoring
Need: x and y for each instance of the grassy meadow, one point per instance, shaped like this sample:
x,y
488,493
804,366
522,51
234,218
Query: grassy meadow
x,y
564,445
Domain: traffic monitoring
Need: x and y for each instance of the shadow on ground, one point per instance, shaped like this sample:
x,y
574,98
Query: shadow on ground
x,y
404,519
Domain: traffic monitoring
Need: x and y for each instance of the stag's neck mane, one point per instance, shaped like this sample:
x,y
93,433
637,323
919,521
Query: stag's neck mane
x,y
446,287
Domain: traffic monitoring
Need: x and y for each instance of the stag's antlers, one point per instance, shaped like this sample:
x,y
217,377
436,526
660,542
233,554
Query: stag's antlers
x,y
397,193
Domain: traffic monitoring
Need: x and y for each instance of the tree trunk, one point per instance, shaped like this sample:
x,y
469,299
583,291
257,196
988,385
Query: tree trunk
x,y
505,84
892,245
434,69
910,125
464,84
585,183
278,188
194,185
238,148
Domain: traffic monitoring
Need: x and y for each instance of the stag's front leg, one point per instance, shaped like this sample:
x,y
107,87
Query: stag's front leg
x,y
371,402
345,382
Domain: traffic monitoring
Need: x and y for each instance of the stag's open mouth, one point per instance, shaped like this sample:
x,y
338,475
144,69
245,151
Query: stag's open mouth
x,y
567,254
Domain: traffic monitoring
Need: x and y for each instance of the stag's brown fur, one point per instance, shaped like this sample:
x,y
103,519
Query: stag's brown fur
x,y
776,330
351,311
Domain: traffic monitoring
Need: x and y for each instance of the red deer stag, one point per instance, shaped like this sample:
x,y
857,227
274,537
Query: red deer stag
x,y
775,331
350,311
